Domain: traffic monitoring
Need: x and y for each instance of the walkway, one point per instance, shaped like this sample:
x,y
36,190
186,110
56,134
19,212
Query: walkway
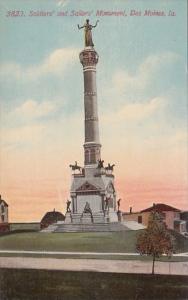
x,y
102,265
185,254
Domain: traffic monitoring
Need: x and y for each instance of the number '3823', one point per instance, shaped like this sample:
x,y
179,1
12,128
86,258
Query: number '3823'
x,y
15,13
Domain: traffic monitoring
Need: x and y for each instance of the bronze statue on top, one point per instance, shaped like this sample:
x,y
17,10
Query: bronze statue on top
x,y
88,34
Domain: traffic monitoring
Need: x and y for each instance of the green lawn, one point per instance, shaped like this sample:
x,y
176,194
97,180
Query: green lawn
x,y
100,242
61,285
95,242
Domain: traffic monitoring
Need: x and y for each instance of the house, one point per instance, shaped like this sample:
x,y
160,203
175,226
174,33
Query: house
x,y
4,225
50,218
184,217
171,216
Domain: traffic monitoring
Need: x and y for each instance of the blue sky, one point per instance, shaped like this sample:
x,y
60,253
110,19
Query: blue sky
x,y
120,41
141,82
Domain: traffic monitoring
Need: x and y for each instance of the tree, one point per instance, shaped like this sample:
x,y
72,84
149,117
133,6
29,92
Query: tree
x,y
155,240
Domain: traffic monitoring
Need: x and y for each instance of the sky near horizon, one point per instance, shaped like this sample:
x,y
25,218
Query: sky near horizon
x,y
142,102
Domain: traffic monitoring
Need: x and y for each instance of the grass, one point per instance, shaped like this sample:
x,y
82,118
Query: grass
x,y
94,242
124,241
56,285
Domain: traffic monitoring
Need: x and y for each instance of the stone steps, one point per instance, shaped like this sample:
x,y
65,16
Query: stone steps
x,y
94,227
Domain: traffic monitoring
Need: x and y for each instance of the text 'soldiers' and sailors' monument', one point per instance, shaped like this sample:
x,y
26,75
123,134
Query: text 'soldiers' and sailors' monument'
x,y
92,193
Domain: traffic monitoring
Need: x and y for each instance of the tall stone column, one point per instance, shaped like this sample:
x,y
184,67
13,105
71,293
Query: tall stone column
x,y
89,59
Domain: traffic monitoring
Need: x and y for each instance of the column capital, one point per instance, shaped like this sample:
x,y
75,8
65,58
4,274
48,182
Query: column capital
x,y
88,57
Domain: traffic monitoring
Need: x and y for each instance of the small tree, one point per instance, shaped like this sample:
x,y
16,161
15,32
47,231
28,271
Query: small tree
x,y
156,239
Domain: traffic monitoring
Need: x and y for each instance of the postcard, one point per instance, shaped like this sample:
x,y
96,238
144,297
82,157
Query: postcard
x,y
93,142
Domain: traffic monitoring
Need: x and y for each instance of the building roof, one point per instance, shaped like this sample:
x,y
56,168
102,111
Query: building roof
x,y
3,201
160,207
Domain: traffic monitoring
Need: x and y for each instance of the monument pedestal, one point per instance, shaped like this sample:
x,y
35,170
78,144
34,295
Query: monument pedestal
x,y
119,215
68,217
86,218
113,216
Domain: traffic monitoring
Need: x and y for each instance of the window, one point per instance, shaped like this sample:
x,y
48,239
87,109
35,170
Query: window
x,y
177,215
140,219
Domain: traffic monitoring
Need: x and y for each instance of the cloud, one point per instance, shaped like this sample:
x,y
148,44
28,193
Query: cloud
x,y
23,134
123,80
137,111
28,123
56,63
33,109
62,3
26,126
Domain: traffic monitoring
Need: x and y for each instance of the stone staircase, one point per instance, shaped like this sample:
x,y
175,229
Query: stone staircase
x,y
78,222
92,227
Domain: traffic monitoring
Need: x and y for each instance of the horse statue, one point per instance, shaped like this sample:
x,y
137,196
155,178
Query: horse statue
x,y
110,167
75,167
100,164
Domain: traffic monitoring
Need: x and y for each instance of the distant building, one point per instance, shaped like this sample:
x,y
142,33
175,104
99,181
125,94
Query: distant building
x,y
184,217
4,225
50,218
171,216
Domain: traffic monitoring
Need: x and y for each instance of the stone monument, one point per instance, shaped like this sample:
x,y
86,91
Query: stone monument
x,y
92,193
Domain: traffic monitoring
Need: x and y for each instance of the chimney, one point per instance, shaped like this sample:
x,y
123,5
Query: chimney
x,y
130,210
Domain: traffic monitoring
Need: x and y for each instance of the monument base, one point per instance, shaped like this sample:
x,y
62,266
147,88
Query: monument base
x,y
87,227
68,217
86,218
119,215
113,216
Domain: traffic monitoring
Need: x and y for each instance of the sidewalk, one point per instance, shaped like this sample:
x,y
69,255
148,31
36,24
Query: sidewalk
x,y
102,265
185,254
